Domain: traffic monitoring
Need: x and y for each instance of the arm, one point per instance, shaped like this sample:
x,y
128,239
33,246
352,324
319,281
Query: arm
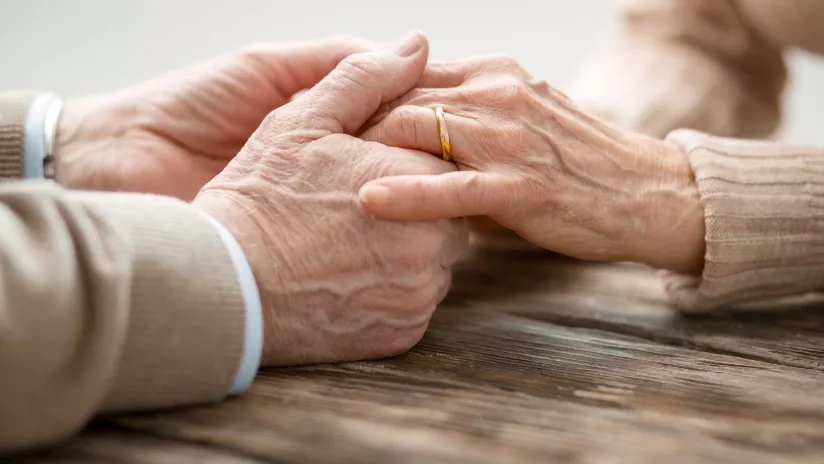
x,y
110,302
763,205
114,302
707,65
695,64
93,295
745,218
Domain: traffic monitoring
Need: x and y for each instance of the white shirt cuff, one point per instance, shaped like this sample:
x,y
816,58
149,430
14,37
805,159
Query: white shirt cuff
x,y
34,140
253,342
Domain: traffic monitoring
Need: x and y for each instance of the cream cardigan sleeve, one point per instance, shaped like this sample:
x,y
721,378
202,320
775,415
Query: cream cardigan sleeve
x,y
695,64
715,66
108,302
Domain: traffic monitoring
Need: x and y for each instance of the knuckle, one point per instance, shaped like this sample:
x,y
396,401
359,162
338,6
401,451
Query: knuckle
x,y
273,119
333,144
336,142
467,190
540,86
510,87
362,64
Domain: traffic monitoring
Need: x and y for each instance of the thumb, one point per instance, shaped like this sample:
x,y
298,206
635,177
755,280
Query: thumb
x,y
427,198
345,99
294,67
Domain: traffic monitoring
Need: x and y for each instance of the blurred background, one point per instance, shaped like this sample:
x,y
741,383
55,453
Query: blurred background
x,y
83,46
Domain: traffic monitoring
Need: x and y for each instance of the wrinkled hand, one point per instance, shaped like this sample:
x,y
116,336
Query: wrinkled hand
x,y
336,283
173,134
533,162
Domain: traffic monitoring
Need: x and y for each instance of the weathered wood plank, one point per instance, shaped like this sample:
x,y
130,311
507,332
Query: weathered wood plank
x,y
630,299
508,389
109,446
536,359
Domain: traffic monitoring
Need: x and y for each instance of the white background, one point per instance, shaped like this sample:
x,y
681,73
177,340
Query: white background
x,y
84,46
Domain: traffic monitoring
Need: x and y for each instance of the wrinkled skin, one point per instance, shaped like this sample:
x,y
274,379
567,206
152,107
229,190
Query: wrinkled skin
x,y
173,134
336,284
533,162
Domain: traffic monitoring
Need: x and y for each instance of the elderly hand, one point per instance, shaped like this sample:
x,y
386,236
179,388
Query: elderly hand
x,y
173,134
336,283
533,162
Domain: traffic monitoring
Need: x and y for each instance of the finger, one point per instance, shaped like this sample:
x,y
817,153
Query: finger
x,y
464,94
427,198
389,160
298,66
445,74
409,98
345,99
416,162
415,127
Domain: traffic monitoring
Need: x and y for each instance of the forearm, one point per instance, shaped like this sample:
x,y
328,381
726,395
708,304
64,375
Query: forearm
x,y
686,64
113,302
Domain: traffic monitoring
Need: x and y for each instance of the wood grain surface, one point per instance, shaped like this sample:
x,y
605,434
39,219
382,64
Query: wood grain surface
x,y
532,358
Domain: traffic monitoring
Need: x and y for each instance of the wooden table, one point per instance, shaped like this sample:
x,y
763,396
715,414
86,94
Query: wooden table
x,y
532,358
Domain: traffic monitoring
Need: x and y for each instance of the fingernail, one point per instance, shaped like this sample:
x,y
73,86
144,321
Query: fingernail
x,y
410,45
374,194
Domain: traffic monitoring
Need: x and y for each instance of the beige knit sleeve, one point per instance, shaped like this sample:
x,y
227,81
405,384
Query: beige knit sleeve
x,y
694,64
764,215
108,302
14,108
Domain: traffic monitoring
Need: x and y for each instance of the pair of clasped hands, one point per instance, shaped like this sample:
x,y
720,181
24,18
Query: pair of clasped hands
x,y
348,216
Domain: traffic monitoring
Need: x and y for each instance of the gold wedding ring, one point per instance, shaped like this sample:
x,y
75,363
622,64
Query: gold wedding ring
x,y
446,148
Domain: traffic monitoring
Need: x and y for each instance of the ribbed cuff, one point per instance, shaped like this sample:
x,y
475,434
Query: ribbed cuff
x,y
187,319
764,216
14,108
